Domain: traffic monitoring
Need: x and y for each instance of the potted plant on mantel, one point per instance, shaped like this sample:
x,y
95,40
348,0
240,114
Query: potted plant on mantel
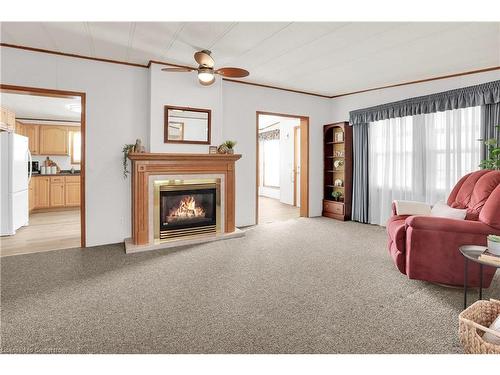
x,y
128,148
493,160
227,147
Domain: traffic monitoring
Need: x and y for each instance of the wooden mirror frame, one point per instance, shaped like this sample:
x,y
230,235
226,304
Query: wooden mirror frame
x,y
165,125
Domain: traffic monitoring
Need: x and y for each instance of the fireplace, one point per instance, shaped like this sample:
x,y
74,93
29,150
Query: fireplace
x,y
186,208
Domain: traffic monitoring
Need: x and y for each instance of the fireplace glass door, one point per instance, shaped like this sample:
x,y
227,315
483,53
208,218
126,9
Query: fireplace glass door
x,y
186,209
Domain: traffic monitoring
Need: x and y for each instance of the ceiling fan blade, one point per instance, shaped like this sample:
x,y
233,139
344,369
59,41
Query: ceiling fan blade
x,y
232,72
177,70
204,58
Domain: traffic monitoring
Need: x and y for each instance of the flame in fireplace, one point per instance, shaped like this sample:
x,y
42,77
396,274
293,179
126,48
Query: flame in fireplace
x,y
187,208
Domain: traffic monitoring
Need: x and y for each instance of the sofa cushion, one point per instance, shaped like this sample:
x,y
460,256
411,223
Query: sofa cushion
x,y
490,214
481,193
464,194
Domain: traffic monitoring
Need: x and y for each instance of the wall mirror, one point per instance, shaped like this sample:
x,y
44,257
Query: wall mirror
x,y
187,125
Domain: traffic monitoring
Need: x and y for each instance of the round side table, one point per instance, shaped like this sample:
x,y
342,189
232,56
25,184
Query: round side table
x,y
472,253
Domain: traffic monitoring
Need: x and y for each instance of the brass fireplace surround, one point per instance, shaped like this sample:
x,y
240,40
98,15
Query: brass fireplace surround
x,y
179,185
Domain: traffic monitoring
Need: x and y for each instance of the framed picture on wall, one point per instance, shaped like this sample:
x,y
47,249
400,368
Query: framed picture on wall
x,y
176,131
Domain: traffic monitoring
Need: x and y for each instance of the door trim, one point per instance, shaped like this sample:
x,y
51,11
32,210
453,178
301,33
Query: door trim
x,y
295,163
63,94
304,161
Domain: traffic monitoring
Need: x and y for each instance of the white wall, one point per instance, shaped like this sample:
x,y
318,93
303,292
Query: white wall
x,y
240,104
117,113
183,90
340,107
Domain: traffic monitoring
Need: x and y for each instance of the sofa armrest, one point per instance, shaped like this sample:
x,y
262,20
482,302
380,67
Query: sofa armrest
x,y
442,224
410,208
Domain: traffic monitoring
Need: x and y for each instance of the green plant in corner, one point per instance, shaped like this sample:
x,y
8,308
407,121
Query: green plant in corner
x,y
493,148
336,195
126,149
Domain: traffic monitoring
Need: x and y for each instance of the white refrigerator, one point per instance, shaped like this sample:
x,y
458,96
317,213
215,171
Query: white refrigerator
x,y
15,174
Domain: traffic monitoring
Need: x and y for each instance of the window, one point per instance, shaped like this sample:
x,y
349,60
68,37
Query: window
x,y
75,140
420,157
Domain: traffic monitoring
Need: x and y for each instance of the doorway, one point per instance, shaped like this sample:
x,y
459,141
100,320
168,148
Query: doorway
x,y
282,167
47,127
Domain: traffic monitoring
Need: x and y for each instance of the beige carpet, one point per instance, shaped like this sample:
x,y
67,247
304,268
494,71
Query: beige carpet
x,y
298,286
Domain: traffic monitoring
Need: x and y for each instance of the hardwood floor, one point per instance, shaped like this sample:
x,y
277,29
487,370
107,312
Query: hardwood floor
x,y
271,210
47,231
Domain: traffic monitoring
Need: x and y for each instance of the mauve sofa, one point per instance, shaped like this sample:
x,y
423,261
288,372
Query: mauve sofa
x,y
426,247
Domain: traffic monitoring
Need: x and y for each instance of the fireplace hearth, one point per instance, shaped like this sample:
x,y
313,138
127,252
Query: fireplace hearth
x,y
186,208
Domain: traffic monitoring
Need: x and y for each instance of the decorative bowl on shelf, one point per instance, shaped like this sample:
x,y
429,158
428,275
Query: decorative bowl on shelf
x,y
338,163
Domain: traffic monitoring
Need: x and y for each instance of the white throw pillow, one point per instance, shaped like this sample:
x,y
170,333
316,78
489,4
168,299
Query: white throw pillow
x,y
441,209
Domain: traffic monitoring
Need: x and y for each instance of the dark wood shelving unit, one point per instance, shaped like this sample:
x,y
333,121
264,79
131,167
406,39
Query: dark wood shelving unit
x,y
337,142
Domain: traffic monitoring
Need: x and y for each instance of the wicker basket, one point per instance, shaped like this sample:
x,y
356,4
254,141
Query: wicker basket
x,y
473,322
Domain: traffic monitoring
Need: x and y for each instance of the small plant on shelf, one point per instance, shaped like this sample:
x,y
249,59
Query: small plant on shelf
x,y
337,196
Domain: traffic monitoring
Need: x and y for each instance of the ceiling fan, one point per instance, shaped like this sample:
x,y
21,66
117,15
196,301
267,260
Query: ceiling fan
x,y
206,72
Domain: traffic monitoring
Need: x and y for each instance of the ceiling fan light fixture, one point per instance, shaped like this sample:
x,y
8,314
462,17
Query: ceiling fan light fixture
x,y
206,75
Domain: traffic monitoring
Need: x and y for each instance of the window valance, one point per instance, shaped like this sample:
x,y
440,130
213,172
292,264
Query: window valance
x,y
486,93
269,135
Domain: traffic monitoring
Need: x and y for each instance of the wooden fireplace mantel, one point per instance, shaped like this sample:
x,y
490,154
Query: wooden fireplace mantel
x,y
147,164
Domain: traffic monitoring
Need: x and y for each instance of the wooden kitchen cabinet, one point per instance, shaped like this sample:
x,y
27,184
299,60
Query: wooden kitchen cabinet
x,y
53,140
32,132
42,192
72,191
57,196
31,195
7,120
55,191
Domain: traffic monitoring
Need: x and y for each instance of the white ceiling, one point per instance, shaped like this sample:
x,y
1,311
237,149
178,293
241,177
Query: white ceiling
x,y
40,107
328,58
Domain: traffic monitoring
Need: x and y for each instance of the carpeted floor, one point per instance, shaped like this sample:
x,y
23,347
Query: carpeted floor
x,y
299,286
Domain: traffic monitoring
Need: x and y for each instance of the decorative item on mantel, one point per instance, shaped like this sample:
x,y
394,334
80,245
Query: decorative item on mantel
x,y
227,147
127,148
212,149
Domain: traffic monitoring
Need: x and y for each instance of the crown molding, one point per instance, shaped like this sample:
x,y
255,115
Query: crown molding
x,y
33,49
419,81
